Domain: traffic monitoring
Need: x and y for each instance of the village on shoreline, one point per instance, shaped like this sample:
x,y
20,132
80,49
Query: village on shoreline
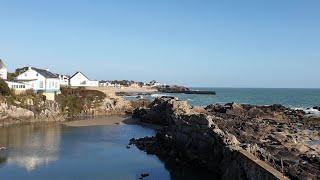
x,y
49,83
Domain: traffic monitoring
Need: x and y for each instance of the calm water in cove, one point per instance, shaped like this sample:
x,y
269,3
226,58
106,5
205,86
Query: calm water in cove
x,y
60,152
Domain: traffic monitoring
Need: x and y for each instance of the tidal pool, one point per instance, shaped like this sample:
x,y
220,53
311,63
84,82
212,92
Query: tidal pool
x,y
98,152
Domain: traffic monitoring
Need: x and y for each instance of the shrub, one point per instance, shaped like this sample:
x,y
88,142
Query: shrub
x,y
71,104
29,92
4,88
75,101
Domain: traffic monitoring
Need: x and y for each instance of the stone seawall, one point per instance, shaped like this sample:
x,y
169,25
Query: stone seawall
x,y
193,138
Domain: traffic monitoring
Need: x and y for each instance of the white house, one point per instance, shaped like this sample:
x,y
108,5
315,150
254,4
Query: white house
x,y
80,80
106,84
64,80
3,70
18,86
41,80
154,83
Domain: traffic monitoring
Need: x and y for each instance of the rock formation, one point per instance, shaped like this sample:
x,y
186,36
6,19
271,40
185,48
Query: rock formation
x,y
182,89
236,141
48,111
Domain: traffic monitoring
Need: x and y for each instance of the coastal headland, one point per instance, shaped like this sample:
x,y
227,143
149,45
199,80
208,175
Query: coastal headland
x,y
233,140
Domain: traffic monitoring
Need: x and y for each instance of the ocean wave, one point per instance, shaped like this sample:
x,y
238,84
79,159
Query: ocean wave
x,y
310,111
129,96
158,95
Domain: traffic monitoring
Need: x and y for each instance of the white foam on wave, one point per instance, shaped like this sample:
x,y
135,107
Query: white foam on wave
x,y
129,96
310,111
158,95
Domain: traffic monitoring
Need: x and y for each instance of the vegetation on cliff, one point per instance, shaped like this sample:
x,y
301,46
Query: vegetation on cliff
x,y
73,102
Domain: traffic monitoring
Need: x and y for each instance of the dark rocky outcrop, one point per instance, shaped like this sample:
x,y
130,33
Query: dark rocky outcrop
x,y
159,111
172,89
181,89
317,108
195,139
274,133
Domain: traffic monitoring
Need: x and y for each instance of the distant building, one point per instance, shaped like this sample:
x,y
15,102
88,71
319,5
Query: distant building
x,y
64,80
80,80
106,84
3,70
41,80
153,83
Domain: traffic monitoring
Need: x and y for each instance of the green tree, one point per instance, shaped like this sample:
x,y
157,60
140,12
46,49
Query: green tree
x,y
20,71
4,88
11,76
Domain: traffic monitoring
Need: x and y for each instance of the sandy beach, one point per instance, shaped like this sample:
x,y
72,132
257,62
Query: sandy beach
x,y
101,121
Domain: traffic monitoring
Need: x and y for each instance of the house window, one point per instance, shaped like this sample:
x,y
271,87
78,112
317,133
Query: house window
x,y
41,84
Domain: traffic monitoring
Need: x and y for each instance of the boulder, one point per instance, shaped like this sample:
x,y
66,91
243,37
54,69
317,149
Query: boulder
x,y
139,112
235,109
316,108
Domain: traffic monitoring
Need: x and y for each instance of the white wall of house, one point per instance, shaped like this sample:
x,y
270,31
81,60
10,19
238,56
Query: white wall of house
x,y
38,82
64,80
3,73
80,80
17,85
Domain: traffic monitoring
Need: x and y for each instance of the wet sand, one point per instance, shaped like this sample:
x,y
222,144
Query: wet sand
x,y
101,121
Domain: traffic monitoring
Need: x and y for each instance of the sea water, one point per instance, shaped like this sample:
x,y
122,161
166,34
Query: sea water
x,y
58,152
293,98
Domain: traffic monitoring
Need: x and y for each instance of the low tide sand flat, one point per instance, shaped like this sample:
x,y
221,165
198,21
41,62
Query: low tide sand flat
x,y
101,121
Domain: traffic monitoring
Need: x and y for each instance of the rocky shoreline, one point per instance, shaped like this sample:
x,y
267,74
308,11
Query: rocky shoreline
x,y
233,140
34,109
12,115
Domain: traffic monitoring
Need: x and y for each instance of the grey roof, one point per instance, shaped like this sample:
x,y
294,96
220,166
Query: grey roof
x,y
45,73
2,65
78,73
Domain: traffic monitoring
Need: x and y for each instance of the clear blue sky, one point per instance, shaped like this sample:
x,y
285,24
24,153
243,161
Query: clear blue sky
x,y
271,43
